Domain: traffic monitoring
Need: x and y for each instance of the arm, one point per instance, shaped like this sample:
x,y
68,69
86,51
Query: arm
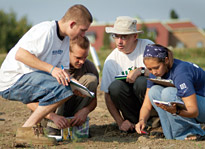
x,y
190,103
59,121
31,60
124,125
144,113
113,110
131,77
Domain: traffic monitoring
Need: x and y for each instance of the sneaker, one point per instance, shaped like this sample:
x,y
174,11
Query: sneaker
x,y
33,136
53,131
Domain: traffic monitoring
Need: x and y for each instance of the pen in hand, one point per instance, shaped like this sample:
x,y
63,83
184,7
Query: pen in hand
x,y
62,67
144,132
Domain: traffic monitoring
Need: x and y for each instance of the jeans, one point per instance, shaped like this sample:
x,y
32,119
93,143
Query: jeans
x,y
39,87
176,127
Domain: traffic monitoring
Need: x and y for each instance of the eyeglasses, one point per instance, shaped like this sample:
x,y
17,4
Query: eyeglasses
x,y
123,37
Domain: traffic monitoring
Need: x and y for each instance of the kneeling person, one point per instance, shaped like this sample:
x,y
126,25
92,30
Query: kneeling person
x,y
124,98
85,72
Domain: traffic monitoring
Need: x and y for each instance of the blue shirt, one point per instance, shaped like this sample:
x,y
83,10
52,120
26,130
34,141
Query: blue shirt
x,y
188,78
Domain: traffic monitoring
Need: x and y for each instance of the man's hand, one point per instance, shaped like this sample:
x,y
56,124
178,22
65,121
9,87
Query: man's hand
x,y
80,117
133,74
61,76
126,125
60,121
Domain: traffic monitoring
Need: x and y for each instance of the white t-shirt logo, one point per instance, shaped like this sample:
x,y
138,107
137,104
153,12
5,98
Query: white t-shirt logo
x,y
183,86
55,52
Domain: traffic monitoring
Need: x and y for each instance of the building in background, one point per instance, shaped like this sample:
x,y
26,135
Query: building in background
x,y
172,33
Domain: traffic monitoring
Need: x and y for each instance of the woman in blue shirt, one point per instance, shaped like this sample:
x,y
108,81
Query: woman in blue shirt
x,y
189,82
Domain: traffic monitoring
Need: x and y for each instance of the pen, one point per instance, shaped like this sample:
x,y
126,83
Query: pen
x,y
63,69
144,132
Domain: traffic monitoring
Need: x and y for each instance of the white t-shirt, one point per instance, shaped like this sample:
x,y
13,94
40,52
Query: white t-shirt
x,y
43,42
119,63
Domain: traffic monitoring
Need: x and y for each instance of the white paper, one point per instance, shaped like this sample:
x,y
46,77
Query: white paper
x,y
179,104
81,88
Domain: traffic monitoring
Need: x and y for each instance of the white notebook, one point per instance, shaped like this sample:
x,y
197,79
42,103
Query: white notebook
x,y
81,88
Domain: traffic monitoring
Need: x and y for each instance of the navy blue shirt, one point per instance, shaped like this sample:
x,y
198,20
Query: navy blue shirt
x,y
188,78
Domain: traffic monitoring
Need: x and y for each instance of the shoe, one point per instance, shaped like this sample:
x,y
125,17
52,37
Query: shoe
x,y
53,131
33,136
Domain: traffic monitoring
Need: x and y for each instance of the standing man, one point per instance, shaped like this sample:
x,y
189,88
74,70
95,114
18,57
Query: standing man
x,y
85,72
31,71
125,97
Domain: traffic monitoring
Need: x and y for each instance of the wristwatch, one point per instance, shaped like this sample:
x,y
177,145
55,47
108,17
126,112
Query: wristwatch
x,y
177,111
142,71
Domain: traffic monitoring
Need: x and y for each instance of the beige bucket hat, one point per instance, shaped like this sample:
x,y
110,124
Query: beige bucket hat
x,y
124,25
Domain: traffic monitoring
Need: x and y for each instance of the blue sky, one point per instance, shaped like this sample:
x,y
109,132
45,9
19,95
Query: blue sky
x,y
107,10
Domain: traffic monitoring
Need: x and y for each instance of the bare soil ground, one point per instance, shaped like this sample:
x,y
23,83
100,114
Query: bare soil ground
x,y
104,132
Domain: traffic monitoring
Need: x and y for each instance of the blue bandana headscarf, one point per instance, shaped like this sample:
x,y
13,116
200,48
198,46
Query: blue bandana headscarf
x,y
155,51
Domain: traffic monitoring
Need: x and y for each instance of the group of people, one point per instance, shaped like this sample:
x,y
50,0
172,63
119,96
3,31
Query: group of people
x,y
31,73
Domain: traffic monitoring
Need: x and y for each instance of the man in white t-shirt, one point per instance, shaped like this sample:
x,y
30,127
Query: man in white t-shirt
x,y
125,97
32,73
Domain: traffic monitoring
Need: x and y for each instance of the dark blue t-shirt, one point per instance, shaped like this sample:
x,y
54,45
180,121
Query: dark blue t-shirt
x,y
188,78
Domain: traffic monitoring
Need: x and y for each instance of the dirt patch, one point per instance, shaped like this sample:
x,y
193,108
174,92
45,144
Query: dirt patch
x,y
104,132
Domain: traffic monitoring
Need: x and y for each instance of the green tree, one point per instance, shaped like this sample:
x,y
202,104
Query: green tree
x,y
173,14
147,34
11,30
106,41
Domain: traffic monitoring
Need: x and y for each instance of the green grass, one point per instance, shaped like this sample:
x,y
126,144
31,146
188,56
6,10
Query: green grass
x,y
102,55
2,57
192,55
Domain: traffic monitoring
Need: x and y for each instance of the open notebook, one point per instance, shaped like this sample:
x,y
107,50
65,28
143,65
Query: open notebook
x,y
179,104
81,88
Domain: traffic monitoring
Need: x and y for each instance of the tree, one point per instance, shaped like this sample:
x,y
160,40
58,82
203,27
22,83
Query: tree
x,y
11,30
173,14
147,34
106,41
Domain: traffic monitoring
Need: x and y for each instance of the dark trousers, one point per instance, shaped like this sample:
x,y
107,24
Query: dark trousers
x,y
128,97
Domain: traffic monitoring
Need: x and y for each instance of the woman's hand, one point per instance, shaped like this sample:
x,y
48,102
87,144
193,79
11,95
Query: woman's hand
x,y
139,127
171,109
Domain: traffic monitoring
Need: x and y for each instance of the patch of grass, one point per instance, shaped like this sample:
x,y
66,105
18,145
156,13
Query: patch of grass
x,y
191,55
102,55
2,57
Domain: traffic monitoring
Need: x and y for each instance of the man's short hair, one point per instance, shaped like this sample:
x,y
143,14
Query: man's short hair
x,y
82,42
78,13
